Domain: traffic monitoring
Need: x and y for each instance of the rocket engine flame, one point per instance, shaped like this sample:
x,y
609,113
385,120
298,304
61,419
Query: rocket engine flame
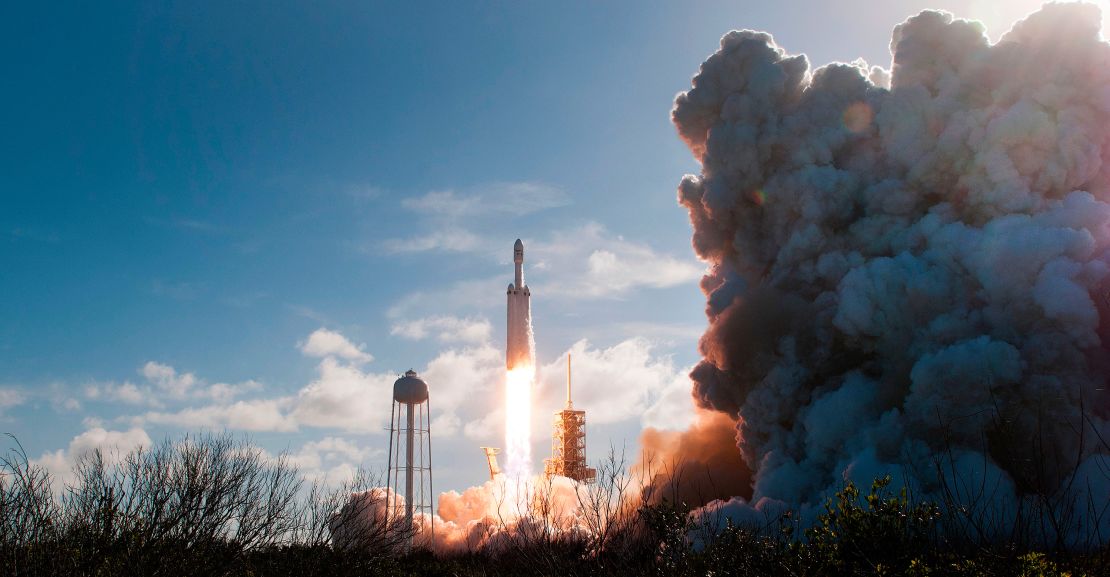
x,y
518,422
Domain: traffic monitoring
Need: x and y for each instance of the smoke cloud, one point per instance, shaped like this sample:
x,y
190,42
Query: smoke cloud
x,y
485,517
696,466
908,268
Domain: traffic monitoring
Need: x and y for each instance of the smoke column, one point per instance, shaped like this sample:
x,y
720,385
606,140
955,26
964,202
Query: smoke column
x,y
908,269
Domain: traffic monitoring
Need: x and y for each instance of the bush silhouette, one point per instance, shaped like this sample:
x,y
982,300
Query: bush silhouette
x,y
214,505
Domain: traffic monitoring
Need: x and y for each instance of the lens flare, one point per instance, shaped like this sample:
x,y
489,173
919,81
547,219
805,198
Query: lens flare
x,y
518,422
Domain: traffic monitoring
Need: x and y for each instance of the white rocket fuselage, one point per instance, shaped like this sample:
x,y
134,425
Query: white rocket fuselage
x,y
519,347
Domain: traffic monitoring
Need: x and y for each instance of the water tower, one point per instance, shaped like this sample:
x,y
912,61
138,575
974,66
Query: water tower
x,y
410,454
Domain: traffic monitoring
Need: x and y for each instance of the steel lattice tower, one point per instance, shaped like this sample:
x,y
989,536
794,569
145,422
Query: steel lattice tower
x,y
568,443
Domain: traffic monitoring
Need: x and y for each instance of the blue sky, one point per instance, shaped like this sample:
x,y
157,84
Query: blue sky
x,y
214,216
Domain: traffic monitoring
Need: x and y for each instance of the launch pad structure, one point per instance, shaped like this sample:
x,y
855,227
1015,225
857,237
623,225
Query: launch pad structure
x,y
491,459
568,443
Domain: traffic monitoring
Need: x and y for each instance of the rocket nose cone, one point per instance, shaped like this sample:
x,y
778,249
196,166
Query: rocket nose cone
x,y
519,245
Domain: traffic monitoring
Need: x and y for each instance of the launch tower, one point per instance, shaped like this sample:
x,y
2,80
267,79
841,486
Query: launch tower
x,y
568,443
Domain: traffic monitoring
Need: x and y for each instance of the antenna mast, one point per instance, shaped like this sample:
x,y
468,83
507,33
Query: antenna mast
x,y
569,404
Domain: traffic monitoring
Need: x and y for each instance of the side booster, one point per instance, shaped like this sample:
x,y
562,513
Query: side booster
x,y
518,349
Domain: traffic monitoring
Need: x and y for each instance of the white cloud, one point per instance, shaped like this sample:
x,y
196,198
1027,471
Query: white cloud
x,y
637,266
449,240
463,383
223,392
486,426
10,398
125,392
325,343
443,214
61,398
482,294
667,332
673,408
345,397
114,445
332,458
342,396
618,383
121,441
508,198
247,415
446,424
66,404
615,384
622,383
589,262
165,384
445,328
58,465
166,378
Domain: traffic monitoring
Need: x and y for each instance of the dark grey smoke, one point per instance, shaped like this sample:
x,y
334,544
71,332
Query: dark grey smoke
x,y
910,268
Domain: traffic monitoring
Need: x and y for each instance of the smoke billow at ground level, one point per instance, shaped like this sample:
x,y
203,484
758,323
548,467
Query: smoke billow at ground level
x,y
908,269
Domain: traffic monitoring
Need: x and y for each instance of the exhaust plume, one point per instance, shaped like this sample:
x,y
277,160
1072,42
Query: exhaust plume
x,y
695,466
908,269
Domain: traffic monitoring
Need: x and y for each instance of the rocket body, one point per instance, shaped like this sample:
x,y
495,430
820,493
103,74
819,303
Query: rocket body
x,y
519,346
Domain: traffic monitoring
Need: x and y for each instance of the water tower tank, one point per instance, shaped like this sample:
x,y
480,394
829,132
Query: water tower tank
x,y
410,389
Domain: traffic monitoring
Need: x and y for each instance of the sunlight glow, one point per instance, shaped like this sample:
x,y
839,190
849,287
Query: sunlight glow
x,y
1000,15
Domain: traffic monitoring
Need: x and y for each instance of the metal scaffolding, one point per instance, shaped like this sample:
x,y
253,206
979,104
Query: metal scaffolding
x,y
568,443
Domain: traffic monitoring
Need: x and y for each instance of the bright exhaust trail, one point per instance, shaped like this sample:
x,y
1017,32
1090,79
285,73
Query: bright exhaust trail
x,y
518,423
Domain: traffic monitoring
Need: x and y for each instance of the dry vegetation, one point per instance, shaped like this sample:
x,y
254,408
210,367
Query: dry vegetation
x,y
214,505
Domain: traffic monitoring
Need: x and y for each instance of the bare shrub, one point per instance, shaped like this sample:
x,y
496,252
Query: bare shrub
x,y
28,517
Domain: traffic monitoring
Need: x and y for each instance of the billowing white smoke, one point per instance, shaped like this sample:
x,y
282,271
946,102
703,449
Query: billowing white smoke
x,y
909,269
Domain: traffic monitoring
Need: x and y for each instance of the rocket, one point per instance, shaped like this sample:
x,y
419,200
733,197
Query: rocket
x,y
519,347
